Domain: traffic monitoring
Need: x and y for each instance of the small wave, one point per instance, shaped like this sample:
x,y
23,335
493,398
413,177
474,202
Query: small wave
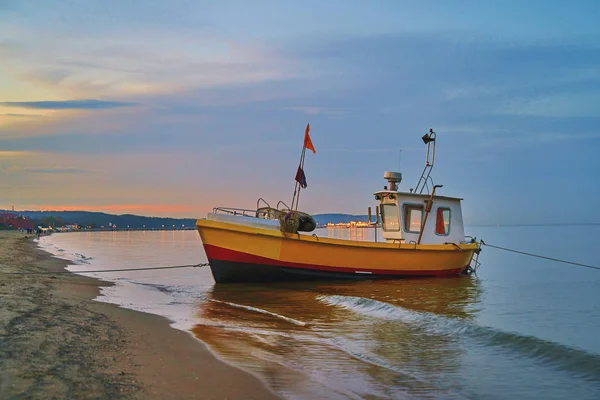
x,y
166,289
368,357
260,310
562,356
82,257
161,288
244,329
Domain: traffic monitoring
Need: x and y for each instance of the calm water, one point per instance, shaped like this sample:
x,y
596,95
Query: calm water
x,y
523,328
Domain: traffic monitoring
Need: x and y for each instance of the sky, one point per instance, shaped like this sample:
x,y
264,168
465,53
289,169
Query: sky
x,y
173,108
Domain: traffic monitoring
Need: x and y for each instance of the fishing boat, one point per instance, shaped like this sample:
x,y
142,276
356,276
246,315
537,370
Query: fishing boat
x,y
422,235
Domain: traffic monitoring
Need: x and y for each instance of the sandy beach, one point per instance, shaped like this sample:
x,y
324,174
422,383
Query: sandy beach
x,y
57,343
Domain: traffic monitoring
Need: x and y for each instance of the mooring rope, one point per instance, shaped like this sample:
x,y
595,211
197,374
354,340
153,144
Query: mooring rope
x,y
106,270
539,256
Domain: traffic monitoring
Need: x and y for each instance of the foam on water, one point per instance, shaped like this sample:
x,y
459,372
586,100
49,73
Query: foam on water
x,y
176,305
261,311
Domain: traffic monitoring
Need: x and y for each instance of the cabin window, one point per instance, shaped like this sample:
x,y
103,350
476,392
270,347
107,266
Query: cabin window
x,y
413,218
442,222
389,217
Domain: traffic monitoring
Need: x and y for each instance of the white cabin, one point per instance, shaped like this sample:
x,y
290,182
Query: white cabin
x,y
404,215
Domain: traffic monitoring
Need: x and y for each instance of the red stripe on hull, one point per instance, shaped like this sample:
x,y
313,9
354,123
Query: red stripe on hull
x,y
219,253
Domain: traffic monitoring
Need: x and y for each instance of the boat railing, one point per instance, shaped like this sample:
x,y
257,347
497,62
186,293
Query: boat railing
x,y
262,211
258,207
234,211
469,239
281,202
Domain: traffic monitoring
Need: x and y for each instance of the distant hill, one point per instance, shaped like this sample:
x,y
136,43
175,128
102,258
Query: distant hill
x,y
99,219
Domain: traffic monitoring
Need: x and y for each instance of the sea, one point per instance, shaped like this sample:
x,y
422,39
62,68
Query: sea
x,y
521,327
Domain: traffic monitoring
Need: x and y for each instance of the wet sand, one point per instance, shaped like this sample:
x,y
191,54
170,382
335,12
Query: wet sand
x,y
57,343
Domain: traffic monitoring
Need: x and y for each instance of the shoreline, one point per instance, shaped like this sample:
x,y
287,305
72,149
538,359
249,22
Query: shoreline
x,y
56,341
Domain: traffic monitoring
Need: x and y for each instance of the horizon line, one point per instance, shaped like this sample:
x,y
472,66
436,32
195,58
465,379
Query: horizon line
x,y
361,215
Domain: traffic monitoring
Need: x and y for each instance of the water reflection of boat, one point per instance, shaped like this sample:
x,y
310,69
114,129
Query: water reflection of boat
x,y
423,232
449,297
376,335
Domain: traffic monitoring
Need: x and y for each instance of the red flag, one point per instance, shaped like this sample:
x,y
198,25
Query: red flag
x,y
307,142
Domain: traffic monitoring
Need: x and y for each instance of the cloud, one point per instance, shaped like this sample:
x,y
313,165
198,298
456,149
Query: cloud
x,y
165,61
452,67
516,140
55,170
37,170
8,153
89,104
13,115
560,105
311,110
373,150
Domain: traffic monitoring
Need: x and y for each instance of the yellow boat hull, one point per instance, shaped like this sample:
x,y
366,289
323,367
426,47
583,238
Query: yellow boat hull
x,y
239,253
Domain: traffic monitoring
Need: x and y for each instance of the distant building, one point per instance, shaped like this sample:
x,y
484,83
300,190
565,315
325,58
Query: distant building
x,y
14,221
350,224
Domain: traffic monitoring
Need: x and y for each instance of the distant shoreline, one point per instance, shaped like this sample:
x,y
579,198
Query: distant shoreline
x,y
530,225
107,222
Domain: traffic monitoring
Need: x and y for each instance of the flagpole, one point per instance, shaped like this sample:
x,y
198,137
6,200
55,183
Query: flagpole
x,y
294,198
302,167
302,180
297,187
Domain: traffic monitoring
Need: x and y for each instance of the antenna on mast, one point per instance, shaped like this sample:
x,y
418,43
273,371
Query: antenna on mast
x,y
399,158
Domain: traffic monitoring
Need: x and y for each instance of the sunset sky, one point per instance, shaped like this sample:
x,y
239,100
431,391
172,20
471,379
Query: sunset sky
x,y
170,108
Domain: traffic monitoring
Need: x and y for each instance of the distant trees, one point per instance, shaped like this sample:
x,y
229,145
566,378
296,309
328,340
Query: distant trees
x,y
56,222
95,220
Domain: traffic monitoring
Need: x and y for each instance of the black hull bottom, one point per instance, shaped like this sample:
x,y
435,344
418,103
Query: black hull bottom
x,y
239,272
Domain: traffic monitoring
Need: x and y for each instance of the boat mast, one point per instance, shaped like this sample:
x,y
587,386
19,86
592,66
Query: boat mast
x,y
297,187
300,177
425,175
